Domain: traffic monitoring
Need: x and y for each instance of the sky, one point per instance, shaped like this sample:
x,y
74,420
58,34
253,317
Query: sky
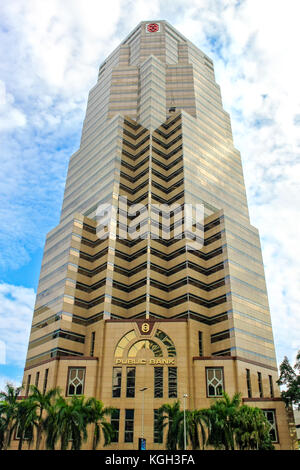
x,y
49,58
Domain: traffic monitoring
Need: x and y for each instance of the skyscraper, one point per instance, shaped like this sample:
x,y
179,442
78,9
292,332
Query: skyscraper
x,y
152,286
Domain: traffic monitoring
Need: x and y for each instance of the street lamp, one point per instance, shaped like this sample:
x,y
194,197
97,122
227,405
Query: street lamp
x,y
143,409
184,420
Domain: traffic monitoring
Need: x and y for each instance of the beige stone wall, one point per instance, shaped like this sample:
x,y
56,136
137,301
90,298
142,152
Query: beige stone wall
x,y
191,375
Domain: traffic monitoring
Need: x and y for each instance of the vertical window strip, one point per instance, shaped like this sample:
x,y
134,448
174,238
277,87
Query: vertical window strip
x,y
115,423
28,385
45,380
130,382
249,389
271,386
200,343
158,382
117,382
129,425
260,385
172,382
37,379
92,344
157,428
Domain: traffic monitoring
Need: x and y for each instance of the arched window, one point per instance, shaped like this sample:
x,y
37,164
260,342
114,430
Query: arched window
x,y
123,343
145,344
166,340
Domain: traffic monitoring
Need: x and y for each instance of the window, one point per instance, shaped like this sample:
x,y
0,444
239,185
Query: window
x,y
158,382
92,344
76,381
164,338
145,344
270,415
260,385
249,383
157,428
115,423
200,343
45,380
117,381
28,384
37,378
215,381
172,382
130,384
123,343
271,386
129,425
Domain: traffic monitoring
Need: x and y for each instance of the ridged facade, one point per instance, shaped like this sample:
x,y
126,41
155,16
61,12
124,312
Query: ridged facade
x,y
155,133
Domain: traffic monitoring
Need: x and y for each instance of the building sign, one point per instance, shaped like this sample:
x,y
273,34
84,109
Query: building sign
x,y
152,28
154,362
145,326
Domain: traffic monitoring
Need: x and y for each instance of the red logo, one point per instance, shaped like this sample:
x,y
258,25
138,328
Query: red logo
x,y
152,28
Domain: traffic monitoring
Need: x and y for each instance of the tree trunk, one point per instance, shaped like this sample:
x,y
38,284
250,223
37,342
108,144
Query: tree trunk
x,y
7,438
20,442
38,437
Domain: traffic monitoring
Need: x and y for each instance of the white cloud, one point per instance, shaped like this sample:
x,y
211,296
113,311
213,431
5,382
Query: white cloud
x,y
16,307
10,116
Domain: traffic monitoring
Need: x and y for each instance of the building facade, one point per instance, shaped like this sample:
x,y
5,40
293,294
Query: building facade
x,y
127,310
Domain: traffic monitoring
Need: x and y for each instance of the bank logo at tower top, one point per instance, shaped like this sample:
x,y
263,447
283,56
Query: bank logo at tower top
x,y
152,28
154,221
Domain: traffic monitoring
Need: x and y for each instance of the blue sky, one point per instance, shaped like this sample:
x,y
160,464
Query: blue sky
x,y
50,53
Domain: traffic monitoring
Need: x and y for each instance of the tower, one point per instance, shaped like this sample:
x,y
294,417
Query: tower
x,y
127,310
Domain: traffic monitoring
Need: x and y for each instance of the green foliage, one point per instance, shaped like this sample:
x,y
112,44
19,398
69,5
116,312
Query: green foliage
x,y
221,418
63,421
97,413
42,403
252,429
195,421
171,417
25,421
226,425
290,379
9,412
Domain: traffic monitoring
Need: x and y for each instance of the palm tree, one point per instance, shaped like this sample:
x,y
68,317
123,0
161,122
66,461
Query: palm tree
x,y
252,429
42,403
72,420
51,425
221,418
172,417
25,420
8,412
97,414
2,431
195,419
